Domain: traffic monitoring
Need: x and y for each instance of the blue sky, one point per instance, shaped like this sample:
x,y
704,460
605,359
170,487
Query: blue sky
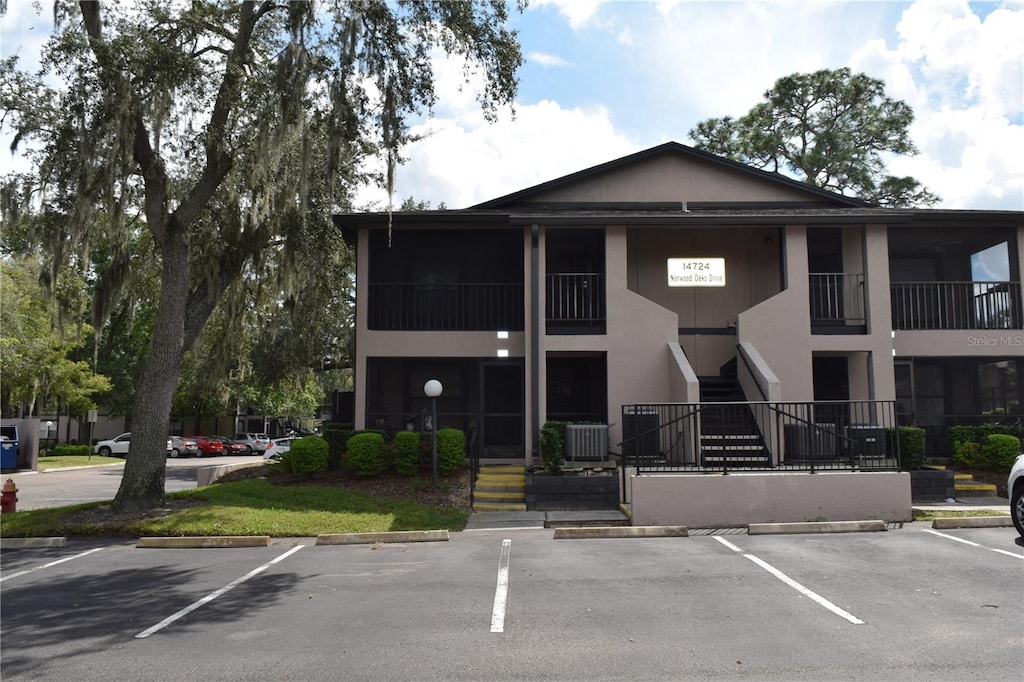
x,y
603,79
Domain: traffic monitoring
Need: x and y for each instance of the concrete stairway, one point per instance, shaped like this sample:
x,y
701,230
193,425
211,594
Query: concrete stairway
x,y
500,488
965,486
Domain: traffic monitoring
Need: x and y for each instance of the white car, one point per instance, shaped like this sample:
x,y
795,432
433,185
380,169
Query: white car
x,y
1015,488
118,447
278,447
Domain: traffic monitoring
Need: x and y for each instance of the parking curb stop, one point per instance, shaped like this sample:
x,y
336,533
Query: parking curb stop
x,y
972,522
202,542
870,526
373,538
31,543
588,532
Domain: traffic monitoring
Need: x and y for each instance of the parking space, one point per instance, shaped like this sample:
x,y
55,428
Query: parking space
x,y
518,604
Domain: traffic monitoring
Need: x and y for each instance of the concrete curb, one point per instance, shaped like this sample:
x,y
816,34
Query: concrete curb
x,y
201,542
973,522
373,538
208,475
590,532
815,527
31,543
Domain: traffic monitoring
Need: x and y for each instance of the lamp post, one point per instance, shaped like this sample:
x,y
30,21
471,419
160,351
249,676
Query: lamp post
x,y
433,389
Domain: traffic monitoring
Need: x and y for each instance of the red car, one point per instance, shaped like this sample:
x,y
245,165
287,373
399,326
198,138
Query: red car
x,y
208,447
231,447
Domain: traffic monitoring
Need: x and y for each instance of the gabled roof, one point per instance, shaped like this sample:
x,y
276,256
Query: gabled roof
x,y
814,194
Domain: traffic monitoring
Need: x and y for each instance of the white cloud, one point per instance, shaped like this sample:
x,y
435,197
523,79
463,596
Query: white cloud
x,y
548,60
963,77
576,12
465,160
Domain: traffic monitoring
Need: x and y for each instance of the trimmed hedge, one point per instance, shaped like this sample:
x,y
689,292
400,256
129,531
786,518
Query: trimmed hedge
x,y
365,454
912,445
405,453
971,445
552,450
308,455
451,450
1000,450
71,451
336,439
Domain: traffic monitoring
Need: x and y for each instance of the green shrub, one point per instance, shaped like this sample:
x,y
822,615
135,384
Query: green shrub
x,y
306,456
451,450
71,451
911,444
406,452
979,434
552,450
336,439
966,452
365,454
1000,450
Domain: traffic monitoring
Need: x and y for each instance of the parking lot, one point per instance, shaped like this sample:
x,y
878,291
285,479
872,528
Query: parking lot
x,y
910,603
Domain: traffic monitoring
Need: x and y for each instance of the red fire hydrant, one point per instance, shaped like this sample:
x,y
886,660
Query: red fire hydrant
x,y
9,497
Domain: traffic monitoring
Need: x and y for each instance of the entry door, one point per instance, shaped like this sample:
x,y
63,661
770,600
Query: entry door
x,y
831,378
501,418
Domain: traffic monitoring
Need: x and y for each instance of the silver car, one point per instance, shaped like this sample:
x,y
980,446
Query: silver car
x,y
183,447
256,443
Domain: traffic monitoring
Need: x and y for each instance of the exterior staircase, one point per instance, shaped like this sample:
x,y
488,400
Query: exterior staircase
x,y
729,436
966,486
500,488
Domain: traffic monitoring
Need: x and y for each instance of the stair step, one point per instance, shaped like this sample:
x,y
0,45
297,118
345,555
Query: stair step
x,y
502,470
974,490
963,478
498,506
498,488
504,496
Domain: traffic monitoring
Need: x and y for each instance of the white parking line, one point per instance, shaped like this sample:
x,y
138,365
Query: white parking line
x,y
972,544
52,563
213,595
792,583
501,591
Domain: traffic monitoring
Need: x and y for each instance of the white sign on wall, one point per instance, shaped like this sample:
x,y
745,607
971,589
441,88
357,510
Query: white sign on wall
x,y
696,272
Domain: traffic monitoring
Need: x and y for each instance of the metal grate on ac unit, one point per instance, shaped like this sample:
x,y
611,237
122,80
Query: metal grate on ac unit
x,y
586,442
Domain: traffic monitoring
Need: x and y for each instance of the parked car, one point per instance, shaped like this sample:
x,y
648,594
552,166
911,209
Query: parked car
x,y
1015,488
232,447
208,447
278,447
114,447
184,447
118,446
254,442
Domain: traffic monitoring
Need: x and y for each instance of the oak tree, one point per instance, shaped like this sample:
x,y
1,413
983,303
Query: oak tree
x,y
230,131
831,128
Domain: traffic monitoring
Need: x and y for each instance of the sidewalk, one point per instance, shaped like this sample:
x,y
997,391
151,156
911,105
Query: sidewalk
x,y
1000,506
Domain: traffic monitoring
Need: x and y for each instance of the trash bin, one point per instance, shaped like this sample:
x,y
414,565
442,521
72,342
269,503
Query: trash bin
x,y
866,440
9,447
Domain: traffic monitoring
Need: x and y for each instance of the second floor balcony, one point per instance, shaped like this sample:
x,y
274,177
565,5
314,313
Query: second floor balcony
x,y
575,303
405,306
956,305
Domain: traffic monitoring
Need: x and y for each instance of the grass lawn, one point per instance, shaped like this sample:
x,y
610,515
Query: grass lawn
x,y
249,507
930,514
64,461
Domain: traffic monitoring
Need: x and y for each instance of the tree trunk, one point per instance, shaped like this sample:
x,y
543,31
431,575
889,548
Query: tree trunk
x,y
142,485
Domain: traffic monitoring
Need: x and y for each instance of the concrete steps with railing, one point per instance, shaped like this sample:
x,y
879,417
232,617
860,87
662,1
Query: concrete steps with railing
x,y
500,488
964,485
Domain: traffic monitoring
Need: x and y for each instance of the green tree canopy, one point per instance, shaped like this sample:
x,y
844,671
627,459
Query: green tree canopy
x,y
231,131
831,128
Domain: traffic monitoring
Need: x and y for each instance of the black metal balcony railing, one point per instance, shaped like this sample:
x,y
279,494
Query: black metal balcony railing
x,y
575,301
406,306
956,305
837,298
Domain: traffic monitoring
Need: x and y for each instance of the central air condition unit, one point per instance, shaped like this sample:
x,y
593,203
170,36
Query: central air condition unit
x,y
586,441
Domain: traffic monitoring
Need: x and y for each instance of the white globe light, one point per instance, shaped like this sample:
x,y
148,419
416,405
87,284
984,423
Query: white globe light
x,y
433,388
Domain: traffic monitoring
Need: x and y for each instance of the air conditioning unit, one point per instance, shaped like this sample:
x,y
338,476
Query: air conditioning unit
x,y
586,441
